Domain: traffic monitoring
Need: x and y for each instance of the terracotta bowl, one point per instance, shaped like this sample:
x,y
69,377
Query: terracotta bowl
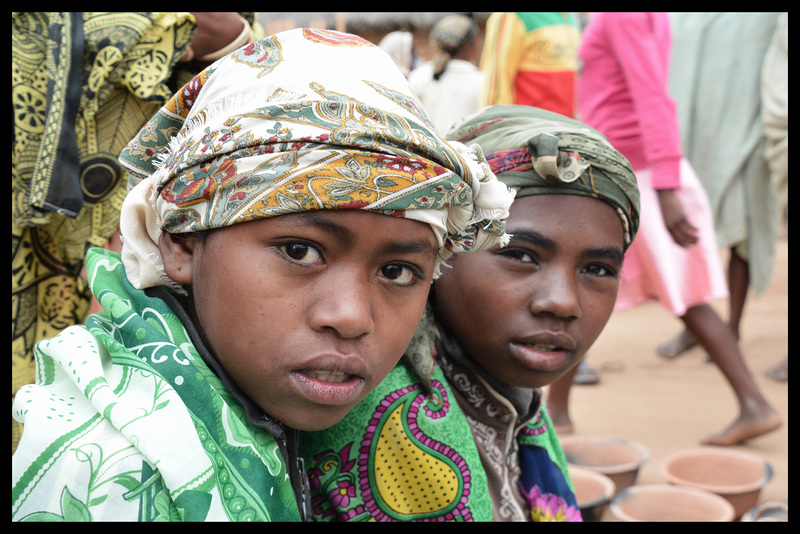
x,y
770,511
593,491
735,475
618,459
665,502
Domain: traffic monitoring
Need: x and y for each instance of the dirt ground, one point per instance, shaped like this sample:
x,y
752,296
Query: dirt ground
x,y
672,405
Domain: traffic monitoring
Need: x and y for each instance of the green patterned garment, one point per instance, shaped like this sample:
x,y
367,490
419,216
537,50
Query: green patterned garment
x,y
382,460
126,422
407,453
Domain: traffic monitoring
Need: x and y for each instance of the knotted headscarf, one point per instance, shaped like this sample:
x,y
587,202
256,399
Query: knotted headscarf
x,y
539,152
299,121
447,37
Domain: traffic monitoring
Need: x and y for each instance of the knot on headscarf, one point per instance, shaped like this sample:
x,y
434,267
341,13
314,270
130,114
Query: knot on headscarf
x,y
536,152
300,121
447,37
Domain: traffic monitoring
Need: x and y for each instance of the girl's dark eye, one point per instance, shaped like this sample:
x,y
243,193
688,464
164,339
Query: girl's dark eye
x,y
518,255
600,270
398,274
301,253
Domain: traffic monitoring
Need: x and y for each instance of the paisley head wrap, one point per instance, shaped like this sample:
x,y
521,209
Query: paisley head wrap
x,y
447,37
538,152
299,121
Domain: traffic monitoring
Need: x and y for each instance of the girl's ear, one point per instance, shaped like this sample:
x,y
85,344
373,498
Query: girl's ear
x,y
177,252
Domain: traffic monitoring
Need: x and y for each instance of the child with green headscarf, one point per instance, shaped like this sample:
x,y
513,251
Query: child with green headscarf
x,y
459,430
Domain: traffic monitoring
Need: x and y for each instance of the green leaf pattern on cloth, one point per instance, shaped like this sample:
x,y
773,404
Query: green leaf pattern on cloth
x,y
125,421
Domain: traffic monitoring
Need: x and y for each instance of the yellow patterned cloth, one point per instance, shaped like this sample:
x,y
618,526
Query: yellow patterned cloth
x,y
316,119
82,84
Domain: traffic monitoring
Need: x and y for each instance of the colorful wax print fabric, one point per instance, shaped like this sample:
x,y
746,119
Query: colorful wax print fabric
x,y
81,84
126,422
403,454
407,452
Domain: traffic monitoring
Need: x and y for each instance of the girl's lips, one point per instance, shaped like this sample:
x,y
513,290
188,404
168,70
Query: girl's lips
x,y
331,379
327,376
548,341
329,387
541,356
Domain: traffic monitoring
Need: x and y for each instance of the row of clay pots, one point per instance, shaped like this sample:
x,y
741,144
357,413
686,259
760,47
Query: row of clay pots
x,y
709,483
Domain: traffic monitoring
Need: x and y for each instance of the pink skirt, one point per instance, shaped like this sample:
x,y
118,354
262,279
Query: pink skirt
x,y
656,268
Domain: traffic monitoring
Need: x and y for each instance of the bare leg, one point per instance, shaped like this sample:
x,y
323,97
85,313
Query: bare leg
x,y
738,285
756,416
558,401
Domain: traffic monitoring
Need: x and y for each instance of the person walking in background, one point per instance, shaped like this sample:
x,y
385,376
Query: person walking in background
x,y
449,85
716,82
531,59
623,92
400,47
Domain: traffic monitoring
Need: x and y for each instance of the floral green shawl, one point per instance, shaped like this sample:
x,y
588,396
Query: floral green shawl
x,y
126,422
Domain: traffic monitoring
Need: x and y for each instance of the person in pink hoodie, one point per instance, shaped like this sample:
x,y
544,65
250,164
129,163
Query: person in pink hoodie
x,y
623,92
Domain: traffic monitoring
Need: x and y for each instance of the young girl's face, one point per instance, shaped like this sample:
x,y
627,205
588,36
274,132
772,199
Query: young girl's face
x,y
527,312
309,312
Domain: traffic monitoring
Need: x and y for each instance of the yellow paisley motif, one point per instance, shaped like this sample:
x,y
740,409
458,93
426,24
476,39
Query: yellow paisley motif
x,y
408,479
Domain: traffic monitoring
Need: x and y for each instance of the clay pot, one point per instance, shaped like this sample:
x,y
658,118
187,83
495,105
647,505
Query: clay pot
x,y
618,459
770,511
736,475
593,491
664,502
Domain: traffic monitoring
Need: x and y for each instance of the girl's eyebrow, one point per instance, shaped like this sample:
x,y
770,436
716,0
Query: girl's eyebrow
x,y
614,254
418,246
610,253
534,238
326,222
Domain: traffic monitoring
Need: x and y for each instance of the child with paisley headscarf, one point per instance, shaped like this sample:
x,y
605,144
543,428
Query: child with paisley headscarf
x,y
290,207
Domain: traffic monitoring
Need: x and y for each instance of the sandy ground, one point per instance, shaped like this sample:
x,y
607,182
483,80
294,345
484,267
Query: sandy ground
x,y
672,405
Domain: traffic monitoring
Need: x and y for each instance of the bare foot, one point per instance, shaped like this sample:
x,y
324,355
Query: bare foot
x,y
780,372
682,343
745,428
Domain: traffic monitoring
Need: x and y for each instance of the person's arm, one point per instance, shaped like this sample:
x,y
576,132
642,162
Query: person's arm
x,y
217,34
683,232
634,41
639,50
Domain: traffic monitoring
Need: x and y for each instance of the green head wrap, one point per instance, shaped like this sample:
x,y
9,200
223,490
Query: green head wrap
x,y
538,152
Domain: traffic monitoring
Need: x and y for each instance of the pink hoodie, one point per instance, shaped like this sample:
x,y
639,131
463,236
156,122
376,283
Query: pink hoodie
x,y
622,90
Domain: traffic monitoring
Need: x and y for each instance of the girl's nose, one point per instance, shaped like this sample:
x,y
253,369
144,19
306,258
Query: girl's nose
x,y
557,295
344,305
